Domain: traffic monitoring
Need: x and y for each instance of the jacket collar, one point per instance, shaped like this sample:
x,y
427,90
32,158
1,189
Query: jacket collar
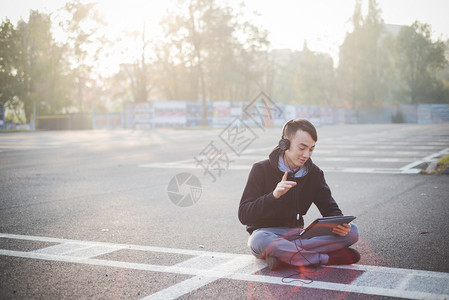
x,y
274,162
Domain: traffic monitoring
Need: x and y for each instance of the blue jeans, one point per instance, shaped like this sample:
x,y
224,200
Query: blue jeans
x,y
286,245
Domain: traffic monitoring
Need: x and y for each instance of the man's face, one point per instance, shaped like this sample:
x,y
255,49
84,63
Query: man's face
x,y
301,148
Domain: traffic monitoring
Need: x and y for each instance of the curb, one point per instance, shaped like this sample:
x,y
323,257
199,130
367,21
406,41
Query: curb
x,y
432,167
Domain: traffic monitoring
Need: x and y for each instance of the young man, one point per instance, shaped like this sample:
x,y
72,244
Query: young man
x,y
279,191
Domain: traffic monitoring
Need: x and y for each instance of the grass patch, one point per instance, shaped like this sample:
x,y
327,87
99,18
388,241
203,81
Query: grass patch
x,y
442,164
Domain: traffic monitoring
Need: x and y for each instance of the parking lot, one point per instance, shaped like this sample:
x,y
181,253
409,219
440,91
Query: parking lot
x,y
91,214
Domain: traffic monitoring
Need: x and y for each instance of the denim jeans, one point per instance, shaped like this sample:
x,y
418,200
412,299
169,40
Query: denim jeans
x,y
286,245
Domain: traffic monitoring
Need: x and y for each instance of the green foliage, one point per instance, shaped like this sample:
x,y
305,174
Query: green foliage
x,y
418,60
39,66
362,66
442,164
377,67
444,160
8,50
27,67
35,67
314,79
82,47
211,52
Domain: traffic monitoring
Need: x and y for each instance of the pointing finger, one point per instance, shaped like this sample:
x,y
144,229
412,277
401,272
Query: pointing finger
x,y
284,178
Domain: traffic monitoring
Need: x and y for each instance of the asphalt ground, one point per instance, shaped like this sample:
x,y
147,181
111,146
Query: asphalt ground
x,y
118,214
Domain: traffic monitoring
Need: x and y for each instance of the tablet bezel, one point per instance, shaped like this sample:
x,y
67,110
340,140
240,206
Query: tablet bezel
x,y
324,226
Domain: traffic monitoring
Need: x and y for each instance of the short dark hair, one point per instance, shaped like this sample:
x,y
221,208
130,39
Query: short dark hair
x,y
300,124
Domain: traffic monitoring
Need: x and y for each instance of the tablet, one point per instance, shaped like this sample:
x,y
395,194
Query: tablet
x,y
323,226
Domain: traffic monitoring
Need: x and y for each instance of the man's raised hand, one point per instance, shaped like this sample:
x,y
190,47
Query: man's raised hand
x,y
283,186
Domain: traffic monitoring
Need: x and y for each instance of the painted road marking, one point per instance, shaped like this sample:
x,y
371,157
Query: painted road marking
x,y
225,270
77,250
321,158
430,158
410,168
373,280
176,165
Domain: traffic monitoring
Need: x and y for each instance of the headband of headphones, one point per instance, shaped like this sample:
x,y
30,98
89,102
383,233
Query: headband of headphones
x,y
285,126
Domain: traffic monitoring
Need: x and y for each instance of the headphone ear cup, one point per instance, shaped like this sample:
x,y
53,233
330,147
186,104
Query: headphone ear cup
x,y
284,144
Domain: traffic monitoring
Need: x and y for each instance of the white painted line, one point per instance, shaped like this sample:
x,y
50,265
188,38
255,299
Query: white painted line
x,y
182,288
365,278
61,249
423,147
326,169
379,291
168,164
214,275
119,246
320,158
77,250
404,282
242,267
390,146
409,144
92,251
262,149
398,271
372,170
87,261
223,270
426,159
204,262
173,165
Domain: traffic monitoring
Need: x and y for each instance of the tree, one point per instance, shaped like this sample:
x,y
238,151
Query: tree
x,y
443,76
285,63
253,62
314,79
39,66
198,35
138,72
9,42
81,46
418,60
211,53
362,65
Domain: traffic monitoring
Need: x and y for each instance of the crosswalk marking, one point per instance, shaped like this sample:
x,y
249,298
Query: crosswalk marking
x,y
206,267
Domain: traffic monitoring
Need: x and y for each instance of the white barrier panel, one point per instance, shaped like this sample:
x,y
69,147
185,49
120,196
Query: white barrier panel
x,y
179,114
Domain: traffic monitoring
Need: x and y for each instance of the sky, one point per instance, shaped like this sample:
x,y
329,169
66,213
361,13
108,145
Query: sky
x,y
322,23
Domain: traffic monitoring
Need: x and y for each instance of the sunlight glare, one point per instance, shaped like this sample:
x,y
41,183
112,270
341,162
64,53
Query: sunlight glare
x,y
322,24
125,22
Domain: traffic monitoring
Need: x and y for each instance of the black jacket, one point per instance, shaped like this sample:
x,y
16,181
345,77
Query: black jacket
x,y
259,209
